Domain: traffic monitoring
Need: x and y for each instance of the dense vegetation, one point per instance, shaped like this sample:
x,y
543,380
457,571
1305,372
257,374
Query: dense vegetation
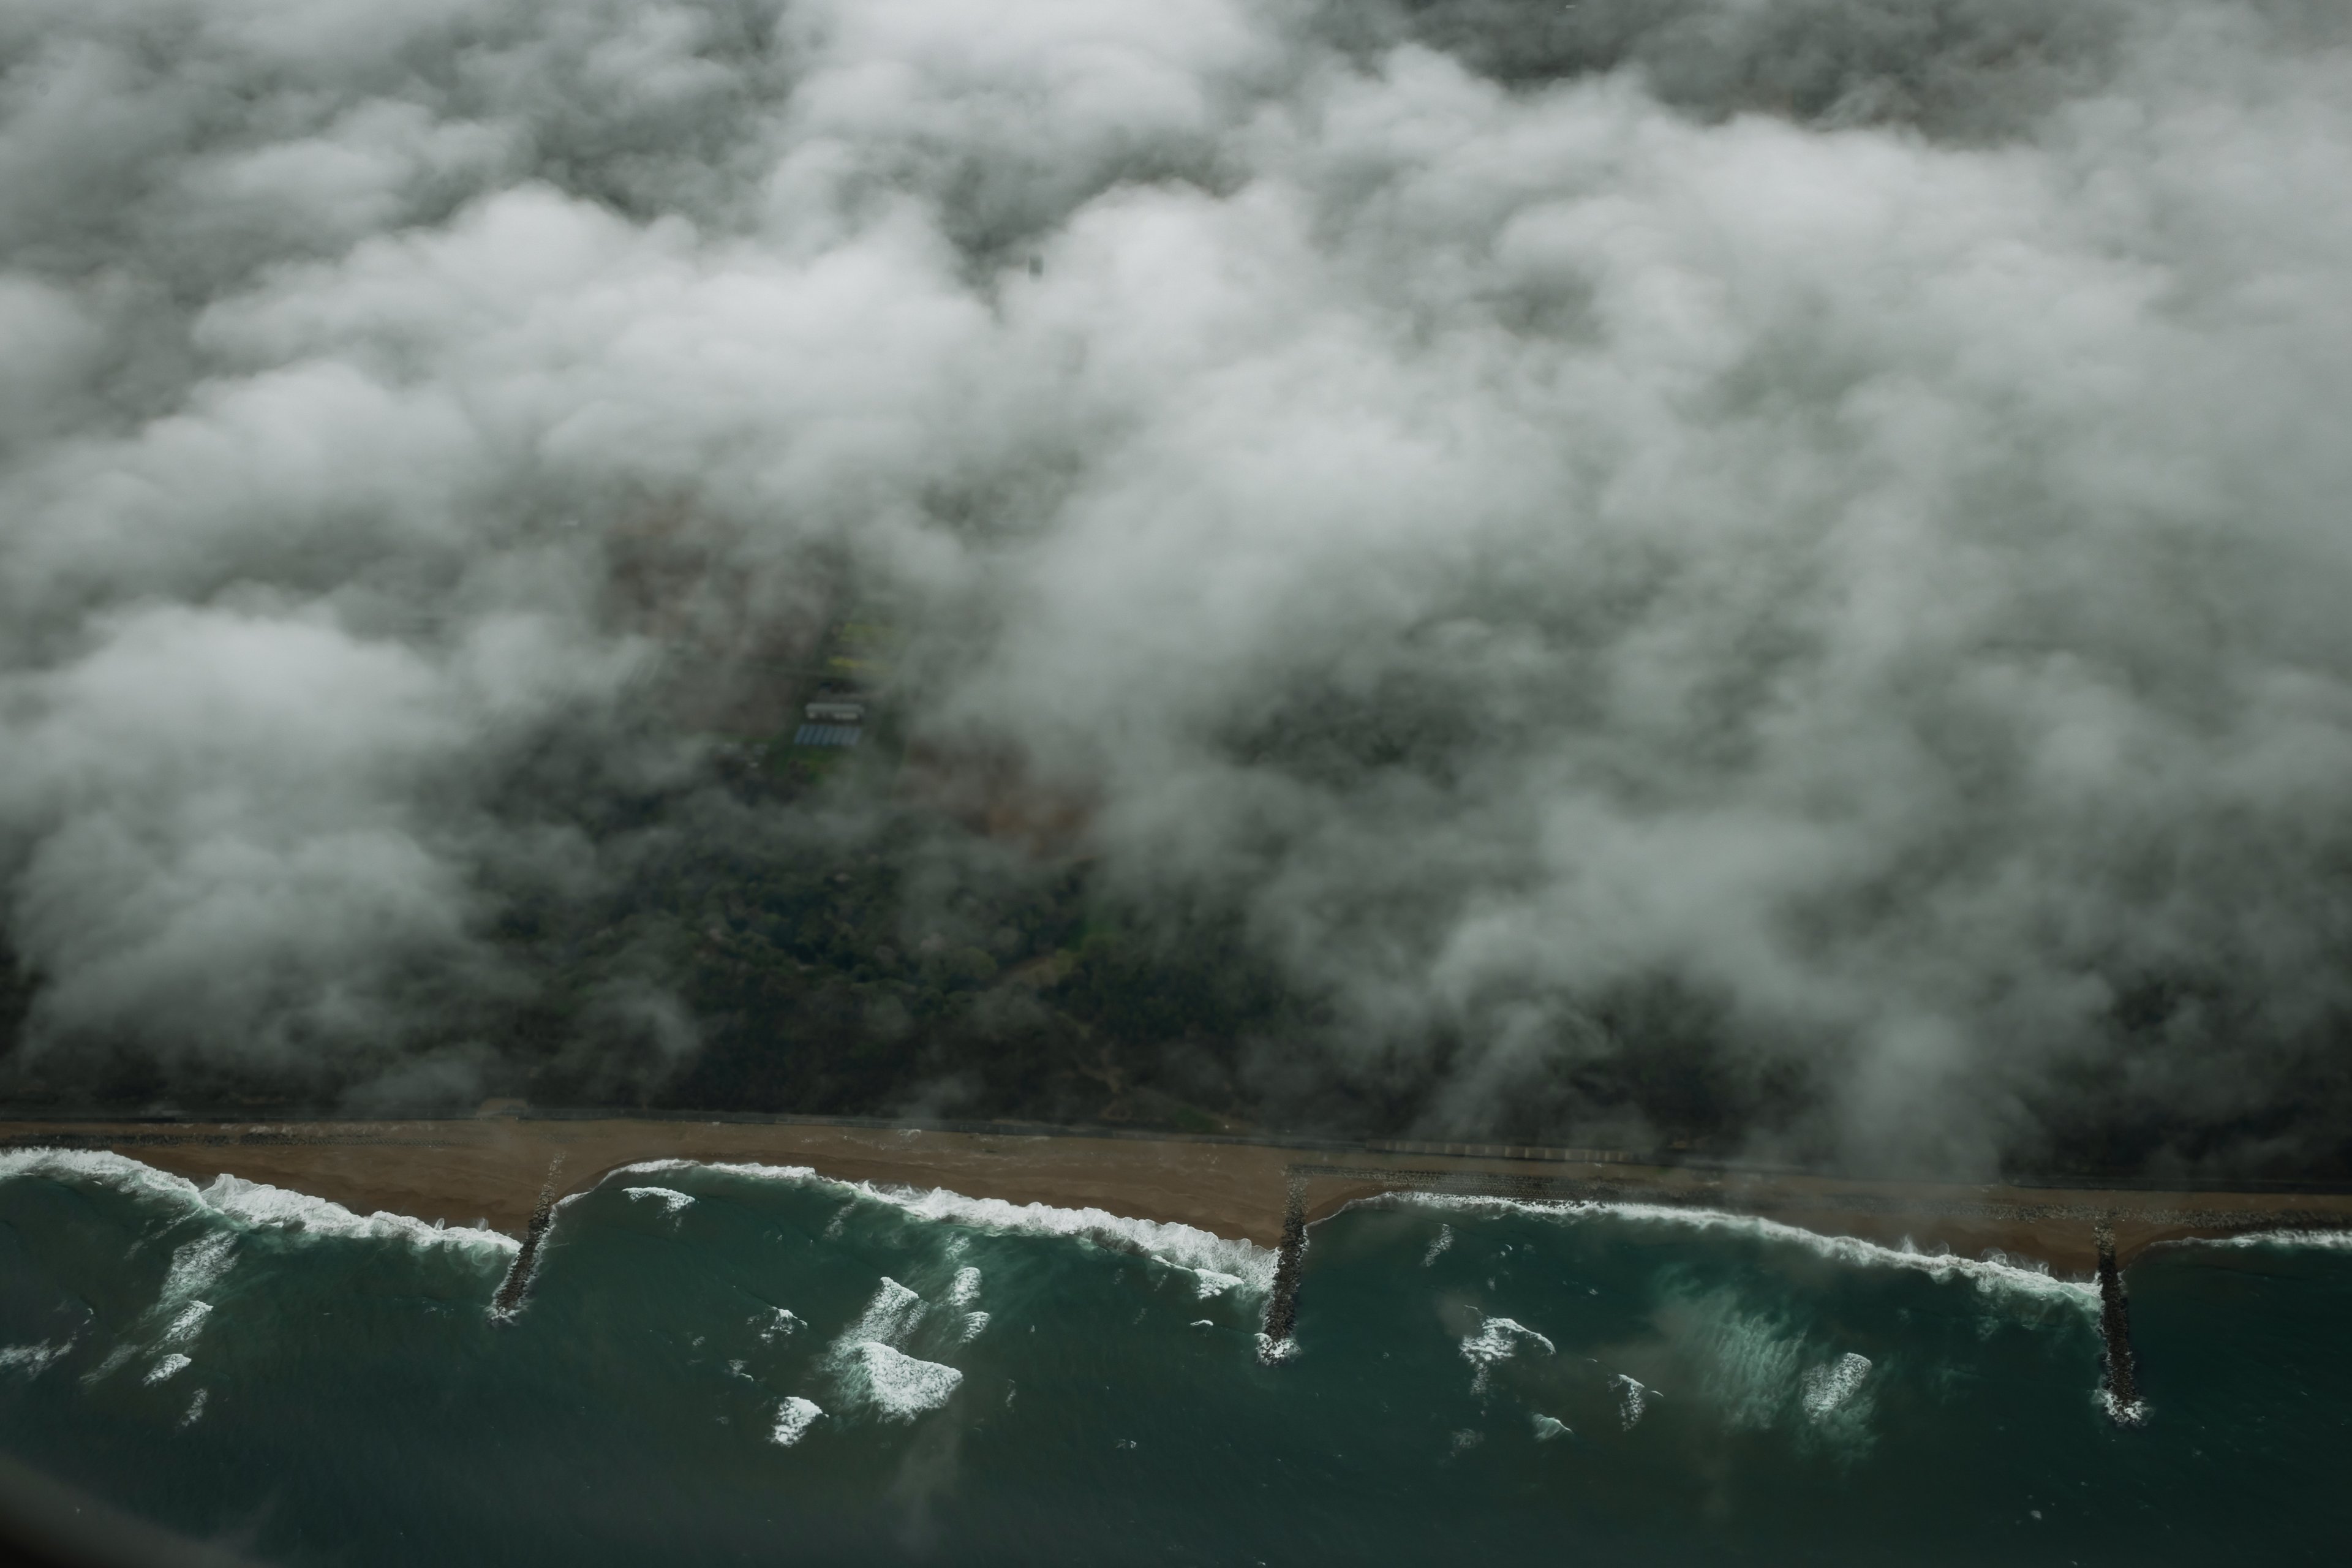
x,y
795,930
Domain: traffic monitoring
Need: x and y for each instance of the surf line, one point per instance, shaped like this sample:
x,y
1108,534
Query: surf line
x,y
2119,1367
508,1300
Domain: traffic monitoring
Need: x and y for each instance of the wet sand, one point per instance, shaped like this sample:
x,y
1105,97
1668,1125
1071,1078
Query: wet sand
x,y
493,1170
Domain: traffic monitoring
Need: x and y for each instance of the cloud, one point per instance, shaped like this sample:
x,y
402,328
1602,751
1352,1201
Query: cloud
x,y
1830,512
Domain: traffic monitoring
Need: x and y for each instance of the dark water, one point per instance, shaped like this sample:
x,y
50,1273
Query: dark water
x,y
346,1399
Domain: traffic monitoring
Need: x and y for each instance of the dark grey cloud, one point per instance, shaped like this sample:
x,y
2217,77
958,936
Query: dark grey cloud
x,y
1816,524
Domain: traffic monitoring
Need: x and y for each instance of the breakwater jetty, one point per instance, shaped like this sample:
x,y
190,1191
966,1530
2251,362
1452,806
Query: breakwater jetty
x,y
2119,1368
512,1288
1290,1261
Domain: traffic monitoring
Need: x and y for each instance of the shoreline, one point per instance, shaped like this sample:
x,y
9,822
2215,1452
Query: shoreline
x,y
494,1171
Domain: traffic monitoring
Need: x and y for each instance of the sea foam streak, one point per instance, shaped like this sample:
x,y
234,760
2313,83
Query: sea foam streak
x,y
1828,1387
251,1205
184,1328
196,1266
1987,1276
33,1360
965,1291
1183,1246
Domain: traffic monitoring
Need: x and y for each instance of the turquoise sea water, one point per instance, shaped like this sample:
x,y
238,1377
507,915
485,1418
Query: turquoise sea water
x,y
719,1365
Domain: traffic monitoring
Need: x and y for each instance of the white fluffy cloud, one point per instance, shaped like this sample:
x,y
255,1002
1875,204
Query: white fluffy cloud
x,y
1844,512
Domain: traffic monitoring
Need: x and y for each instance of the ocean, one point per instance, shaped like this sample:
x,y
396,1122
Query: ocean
x,y
746,1365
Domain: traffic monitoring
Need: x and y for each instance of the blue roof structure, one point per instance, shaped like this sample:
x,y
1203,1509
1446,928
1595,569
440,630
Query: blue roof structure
x,y
826,735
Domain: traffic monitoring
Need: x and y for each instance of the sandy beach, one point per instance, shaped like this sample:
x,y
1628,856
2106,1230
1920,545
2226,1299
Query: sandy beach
x,y
492,1170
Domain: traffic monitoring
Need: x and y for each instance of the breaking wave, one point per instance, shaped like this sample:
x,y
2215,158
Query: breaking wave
x,y
250,1205
871,1372
1181,1246
2325,1240
1991,1275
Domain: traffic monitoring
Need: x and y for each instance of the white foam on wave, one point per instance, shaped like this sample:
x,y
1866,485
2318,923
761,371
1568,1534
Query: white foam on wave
x,y
794,1417
2328,1240
1184,1246
896,1384
1208,1284
101,1167
890,1317
1634,1397
196,1407
2131,1413
872,1372
965,1289
781,1323
1826,1388
1550,1426
672,1201
1214,1284
184,1328
196,1266
962,1291
1251,1265
168,1367
262,1206
1272,1352
1497,1341
1993,1276
250,1206
1445,1239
